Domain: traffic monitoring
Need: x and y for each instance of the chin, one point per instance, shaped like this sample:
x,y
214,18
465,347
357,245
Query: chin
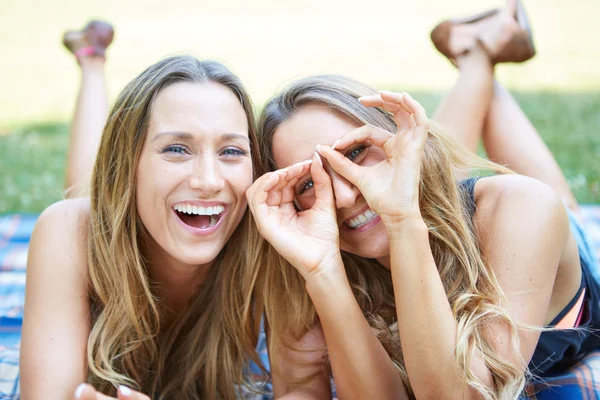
x,y
375,249
198,256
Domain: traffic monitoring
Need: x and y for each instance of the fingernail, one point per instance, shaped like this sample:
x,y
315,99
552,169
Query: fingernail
x,y
79,390
318,157
125,391
319,149
305,162
334,144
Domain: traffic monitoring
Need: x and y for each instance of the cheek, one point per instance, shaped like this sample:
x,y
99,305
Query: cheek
x,y
240,177
375,156
374,245
157,178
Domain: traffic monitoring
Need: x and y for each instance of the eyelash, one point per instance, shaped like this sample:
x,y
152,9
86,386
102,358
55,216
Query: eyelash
x,y
361,149
181,149
238,152
305,185
175,148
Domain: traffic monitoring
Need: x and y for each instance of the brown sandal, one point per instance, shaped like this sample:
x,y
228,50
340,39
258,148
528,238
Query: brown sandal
x,y
92,40
520,48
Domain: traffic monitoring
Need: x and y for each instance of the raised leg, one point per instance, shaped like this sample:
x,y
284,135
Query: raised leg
x,y
91,108
91,111
511,139
463,111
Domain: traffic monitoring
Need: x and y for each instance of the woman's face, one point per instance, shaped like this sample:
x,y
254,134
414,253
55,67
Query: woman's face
x,y
295,140
193,171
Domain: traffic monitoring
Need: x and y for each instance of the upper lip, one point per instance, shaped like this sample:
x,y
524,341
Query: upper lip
x,y
356,214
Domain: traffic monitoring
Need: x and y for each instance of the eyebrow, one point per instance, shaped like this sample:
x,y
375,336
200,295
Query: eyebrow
x,y
189,136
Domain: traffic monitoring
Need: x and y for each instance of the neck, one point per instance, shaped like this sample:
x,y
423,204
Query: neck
x,y
385,261
175,281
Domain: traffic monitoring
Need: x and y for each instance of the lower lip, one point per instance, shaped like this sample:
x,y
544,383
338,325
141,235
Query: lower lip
x,y
363,228
201,231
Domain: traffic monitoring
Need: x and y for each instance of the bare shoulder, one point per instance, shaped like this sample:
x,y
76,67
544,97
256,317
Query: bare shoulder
x,y
523,232
511,195
68,213
62,228
518,213
56,321
59,241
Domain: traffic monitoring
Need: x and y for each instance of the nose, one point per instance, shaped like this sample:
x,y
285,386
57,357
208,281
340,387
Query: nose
x,y
344,192
206,176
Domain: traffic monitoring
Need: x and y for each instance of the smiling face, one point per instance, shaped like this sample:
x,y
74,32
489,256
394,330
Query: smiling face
x,y
193,172
361,231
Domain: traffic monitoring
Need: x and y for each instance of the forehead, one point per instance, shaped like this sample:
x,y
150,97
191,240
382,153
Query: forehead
x,y
198,107
296,139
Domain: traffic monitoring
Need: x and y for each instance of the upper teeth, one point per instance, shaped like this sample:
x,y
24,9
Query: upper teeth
x,y
362,219
199,210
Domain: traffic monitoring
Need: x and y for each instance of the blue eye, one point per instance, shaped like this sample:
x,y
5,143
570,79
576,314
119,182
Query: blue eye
x,y
306,185
175,149
354,153
233,152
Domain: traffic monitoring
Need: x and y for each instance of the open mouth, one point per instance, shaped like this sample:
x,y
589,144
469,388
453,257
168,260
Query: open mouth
x,y
199,217
361,220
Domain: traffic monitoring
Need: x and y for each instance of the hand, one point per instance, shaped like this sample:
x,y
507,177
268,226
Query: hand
x,y
391,187
88,392
305,238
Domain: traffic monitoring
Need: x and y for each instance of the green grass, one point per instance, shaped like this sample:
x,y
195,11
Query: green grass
x,y
32,166
267,42
32,158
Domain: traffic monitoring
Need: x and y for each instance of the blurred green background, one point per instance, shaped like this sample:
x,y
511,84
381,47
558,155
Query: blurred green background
x,y
267,43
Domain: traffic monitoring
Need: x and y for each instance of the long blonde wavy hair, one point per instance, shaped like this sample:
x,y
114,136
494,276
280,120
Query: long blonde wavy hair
x,y
471,286
204,353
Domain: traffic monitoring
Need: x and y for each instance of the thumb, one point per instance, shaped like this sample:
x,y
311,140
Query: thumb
x,y
322,182
340,164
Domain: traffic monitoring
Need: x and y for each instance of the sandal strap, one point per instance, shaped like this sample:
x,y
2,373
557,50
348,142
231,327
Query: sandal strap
x,y
85,51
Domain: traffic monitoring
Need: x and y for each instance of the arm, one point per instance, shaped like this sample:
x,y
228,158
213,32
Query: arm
x,y
309,241
525,267
303,363
56,321
361,367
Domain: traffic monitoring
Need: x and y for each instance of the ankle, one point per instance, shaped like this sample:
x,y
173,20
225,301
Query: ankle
x,y
476,57
91,62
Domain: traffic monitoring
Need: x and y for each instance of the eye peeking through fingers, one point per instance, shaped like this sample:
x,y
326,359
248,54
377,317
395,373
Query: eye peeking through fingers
x,y
358,153
304,185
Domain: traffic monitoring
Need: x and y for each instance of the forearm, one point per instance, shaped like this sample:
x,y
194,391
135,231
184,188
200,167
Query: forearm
x,y
361,366
426,324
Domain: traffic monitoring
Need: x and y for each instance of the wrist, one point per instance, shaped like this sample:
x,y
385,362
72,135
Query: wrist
x,y
329,273
397,228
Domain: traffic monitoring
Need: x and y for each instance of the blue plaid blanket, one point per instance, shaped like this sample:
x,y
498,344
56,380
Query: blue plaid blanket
x,y
581,382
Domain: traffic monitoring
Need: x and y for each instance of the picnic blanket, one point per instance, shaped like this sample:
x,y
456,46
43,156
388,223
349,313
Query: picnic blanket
x,y
582,382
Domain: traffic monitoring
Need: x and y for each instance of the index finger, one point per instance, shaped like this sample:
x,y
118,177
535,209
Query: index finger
x,y
417,110
373,134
